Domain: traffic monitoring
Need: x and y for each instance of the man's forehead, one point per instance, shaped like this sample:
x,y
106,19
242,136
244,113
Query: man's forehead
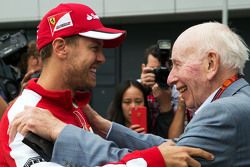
x,y
99,42
94,41
186,51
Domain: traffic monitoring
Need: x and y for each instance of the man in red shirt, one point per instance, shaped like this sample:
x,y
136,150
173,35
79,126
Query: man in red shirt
x,y
70,39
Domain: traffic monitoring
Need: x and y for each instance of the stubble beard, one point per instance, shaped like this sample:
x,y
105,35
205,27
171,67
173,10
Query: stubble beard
x,y
85,83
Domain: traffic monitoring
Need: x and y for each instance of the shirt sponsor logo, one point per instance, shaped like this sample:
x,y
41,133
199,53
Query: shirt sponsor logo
x,y
33,160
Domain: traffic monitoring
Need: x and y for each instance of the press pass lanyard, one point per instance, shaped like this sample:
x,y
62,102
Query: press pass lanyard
x,y
225,85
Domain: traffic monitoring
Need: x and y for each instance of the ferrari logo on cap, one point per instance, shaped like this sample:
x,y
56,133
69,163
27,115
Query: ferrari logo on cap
x,y
59,22
52,20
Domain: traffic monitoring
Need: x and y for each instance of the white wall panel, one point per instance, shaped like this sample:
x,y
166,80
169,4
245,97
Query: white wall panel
x,y
137,7
18,10
198,5
209,5
239,4
33,10
46,5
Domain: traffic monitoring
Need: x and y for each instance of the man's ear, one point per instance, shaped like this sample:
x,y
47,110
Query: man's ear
x,y
60,48
213,61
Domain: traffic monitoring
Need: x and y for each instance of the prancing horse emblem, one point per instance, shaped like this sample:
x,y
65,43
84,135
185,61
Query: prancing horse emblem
x,y
52,20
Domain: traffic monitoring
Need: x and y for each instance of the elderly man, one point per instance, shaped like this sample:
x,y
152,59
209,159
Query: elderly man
x,y
208,62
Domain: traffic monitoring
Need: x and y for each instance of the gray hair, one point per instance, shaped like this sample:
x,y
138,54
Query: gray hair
x,y
231,48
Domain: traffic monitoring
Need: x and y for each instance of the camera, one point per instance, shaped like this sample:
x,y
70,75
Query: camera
x,y
11,47
163,53
8,82
161,76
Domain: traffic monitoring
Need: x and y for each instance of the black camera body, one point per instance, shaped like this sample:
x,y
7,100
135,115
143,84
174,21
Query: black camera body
x,y
161,76
10,44
164,52
161,73
8,84
10,48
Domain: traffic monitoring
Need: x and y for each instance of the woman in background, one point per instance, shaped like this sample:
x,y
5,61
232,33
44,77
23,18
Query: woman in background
x,y
128,95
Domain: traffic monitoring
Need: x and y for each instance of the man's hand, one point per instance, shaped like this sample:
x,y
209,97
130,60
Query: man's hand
x,y
160,93
163,97
99,124
38,121
180,156
147,76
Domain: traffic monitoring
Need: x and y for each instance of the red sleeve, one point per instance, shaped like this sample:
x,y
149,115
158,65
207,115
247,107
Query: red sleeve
x,y
146,158
5,158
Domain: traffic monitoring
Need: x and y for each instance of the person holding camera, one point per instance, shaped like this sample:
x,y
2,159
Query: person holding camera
x,y
162,99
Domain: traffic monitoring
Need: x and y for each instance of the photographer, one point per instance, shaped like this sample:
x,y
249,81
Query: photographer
x,y
162,99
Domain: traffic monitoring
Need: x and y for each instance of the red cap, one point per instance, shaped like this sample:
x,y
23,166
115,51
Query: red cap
x,y
72,19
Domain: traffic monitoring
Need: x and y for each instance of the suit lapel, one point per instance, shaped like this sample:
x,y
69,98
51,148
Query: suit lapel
x,y
234,87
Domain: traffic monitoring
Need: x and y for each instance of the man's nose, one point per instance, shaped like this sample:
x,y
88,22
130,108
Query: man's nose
x,y
171,78
101,58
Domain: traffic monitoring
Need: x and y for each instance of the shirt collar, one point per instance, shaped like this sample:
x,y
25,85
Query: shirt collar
x,y
206,102
60,97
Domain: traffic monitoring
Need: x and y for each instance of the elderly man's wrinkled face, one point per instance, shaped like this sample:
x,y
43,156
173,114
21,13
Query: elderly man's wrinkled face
x,y
189,74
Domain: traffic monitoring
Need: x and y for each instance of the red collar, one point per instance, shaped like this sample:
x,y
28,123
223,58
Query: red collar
x,y
60,97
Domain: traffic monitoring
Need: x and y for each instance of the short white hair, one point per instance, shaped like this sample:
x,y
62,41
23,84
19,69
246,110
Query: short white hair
x,y
231,48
